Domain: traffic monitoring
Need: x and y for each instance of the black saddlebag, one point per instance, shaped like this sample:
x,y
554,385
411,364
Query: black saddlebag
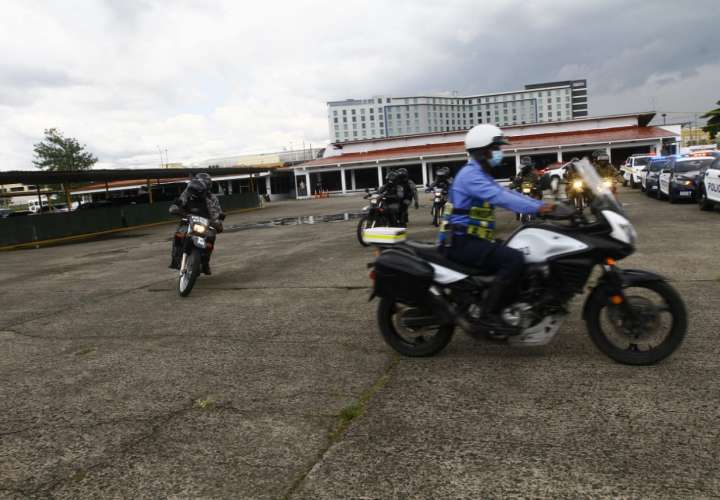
x,y
402,276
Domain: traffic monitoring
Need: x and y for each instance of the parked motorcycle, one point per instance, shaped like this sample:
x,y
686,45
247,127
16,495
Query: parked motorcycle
x,y
376,214
635,317
438,205
198,236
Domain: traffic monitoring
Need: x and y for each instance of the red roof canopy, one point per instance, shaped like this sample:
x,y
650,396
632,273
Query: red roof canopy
x,y
559,139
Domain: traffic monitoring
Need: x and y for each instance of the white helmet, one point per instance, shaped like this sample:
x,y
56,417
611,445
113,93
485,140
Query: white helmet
x,y
484,135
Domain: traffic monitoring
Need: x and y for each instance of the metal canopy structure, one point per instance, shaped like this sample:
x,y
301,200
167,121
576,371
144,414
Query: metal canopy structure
x,y
34,177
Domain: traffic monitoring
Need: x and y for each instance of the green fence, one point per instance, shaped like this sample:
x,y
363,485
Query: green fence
x,y
29,228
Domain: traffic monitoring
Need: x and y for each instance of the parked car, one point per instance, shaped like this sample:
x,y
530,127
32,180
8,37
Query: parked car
x,y
651,175
678,179
5,213
709,186
633,168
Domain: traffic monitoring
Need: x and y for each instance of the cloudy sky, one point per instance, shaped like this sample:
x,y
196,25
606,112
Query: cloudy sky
x,y
212,78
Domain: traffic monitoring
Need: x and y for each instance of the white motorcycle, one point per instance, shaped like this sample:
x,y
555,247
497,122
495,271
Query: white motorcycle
x,y
634,317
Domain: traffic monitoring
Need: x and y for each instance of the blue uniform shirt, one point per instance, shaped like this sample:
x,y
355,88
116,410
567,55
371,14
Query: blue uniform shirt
x,y
473,187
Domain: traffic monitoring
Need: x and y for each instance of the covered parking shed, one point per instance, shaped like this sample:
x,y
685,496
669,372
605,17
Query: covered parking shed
x,y
116,215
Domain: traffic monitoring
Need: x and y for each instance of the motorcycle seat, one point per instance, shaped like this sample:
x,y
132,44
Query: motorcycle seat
x,y
431,253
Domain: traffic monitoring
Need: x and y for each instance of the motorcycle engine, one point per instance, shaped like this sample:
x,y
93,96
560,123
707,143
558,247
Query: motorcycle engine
x,y
520,314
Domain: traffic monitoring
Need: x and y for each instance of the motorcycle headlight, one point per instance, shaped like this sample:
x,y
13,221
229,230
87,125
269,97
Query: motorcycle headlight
x,y
198,228
607,183
526,190
578,184
373,202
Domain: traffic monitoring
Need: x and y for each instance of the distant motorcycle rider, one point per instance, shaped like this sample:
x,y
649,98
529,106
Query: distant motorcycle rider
x,y
196,200
442,180
528,173
468,233
601,162
392,193
409,194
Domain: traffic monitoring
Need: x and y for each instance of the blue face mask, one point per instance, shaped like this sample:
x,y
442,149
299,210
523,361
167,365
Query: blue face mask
x,y
497,158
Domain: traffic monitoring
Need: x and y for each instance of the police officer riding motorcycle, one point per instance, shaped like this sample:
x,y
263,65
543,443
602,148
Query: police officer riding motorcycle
x,y
196,200
604,169
439,188
527,182
393,197
408,191
468,233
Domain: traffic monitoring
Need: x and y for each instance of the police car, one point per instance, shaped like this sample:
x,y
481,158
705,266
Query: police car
x,y
709,186
633,168
651,175
678,179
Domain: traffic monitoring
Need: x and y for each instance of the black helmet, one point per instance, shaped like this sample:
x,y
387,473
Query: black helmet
x,y
525,170
600,155
205,178
402,174
197,188
526,161
391,176
442,172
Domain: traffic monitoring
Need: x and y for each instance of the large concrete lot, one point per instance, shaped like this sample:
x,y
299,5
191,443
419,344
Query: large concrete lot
x,y
115,387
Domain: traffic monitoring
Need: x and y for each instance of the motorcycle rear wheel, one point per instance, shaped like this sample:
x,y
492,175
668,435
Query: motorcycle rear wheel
x,y
365,223
411,342
638,348
186,281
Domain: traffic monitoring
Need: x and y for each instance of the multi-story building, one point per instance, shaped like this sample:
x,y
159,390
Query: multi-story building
x,y
383,116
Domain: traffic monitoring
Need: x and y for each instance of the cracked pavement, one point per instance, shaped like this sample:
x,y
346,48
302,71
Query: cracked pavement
x,y
115,387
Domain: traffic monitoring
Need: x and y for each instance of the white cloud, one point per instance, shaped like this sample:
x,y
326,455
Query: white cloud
x,y
207,79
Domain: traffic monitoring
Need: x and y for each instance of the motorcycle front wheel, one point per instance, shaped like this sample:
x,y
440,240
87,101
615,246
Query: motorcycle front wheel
x,y
187,279
653,331
411,330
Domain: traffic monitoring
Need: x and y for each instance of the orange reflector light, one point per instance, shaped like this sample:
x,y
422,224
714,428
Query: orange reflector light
x,y
616,299
377,252
610,261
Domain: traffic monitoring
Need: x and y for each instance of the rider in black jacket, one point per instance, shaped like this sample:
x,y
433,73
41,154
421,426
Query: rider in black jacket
x,y
195,200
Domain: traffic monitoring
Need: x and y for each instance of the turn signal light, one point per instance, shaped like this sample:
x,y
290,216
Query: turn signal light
x,y
610,261
372,275
616,299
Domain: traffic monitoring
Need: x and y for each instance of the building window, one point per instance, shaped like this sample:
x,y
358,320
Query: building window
x,y
344,119
335,112
353,111
354,118
344,111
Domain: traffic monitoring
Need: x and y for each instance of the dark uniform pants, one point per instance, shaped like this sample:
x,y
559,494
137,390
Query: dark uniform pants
x,y
507,264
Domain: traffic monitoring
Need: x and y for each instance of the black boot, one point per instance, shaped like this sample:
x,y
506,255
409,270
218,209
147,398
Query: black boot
x,y
491,321
206,266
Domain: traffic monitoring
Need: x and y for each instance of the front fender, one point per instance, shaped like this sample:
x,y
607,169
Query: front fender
x,y
622,278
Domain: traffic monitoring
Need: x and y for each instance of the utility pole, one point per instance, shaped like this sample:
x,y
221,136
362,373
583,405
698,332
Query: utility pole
x,y
161,157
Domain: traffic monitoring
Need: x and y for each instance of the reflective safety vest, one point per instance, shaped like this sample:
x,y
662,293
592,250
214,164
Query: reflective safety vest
x,y
481,223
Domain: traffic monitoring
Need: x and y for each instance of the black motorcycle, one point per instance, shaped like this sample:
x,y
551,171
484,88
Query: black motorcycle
x,y
528,188
438,206
376,214
196,237
635,317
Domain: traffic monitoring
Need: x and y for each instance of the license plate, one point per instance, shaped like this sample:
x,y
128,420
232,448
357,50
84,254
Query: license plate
x,y
685,193
653,188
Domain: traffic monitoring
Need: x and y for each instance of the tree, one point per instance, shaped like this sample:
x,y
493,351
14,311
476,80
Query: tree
x,y
713,123
57,152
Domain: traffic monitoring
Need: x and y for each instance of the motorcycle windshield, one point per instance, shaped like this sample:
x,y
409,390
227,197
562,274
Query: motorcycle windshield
x,y
603,199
